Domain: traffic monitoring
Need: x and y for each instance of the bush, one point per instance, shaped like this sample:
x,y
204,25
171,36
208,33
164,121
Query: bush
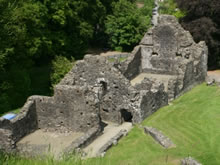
x,y
60,66
170,7
202,20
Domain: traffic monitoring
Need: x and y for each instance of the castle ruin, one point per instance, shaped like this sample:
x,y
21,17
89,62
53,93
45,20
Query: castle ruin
x,y
165,64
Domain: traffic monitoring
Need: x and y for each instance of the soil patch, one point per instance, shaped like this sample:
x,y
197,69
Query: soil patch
x,y
47,142
109,131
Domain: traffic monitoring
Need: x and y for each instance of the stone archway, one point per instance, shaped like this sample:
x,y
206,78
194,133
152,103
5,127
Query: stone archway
x,y
126,116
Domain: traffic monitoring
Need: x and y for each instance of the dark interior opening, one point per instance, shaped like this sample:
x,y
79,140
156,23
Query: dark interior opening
x,y
104,85
126,116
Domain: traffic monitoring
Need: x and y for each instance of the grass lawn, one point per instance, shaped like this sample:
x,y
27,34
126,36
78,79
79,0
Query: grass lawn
x,y
192,122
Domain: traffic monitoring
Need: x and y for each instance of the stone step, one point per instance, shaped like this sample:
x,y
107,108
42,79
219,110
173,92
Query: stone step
x,y
111,134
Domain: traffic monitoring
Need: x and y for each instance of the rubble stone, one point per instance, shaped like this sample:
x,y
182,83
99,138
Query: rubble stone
x,y
189,161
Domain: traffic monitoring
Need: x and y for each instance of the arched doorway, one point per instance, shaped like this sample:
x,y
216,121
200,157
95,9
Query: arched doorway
x,y
126,116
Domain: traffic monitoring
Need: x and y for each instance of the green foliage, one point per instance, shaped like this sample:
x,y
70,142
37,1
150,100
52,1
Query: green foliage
x,y
33,33
15,88
202,21
126,26
170,7
14,159
60,66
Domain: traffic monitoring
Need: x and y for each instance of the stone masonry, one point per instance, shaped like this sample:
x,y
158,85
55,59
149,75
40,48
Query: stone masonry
x,y
165,64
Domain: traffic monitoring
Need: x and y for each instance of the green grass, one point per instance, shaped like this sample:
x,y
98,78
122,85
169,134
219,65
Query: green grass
x,y
192,122
121,59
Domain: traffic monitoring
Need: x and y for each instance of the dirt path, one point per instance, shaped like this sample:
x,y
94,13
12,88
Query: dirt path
x,y
109,132
41,142
140,4
215,75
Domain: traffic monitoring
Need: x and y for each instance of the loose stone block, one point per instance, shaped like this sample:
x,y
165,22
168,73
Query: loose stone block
x,y
159,137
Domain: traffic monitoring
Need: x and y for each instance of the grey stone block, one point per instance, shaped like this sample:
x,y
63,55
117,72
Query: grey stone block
x,y
159,137
189,161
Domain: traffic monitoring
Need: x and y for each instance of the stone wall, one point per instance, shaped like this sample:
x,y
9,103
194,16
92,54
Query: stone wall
x,y
117,93
134,67
115,88
72,108
167,49
13,130
83,141
154,99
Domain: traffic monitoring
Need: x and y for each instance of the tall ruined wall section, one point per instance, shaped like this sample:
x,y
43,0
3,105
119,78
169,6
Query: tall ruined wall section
x,y
167,49
116,93
98,71
68,110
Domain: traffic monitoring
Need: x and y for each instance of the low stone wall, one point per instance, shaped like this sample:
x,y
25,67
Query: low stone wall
x,y
13,130
84,140
118,56
159,137
112,141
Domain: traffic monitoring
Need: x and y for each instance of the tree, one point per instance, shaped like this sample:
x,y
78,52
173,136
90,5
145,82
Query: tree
x,y
202,20
34,32
60,66
125,26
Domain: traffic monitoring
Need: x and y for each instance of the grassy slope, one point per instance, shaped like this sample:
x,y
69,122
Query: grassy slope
x,y
192,122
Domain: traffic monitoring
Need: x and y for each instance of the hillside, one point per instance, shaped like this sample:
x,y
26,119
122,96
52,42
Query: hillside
x,y
191,122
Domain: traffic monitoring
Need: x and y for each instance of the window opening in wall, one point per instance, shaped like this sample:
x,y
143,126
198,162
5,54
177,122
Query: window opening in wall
x,y
126,116
104,85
